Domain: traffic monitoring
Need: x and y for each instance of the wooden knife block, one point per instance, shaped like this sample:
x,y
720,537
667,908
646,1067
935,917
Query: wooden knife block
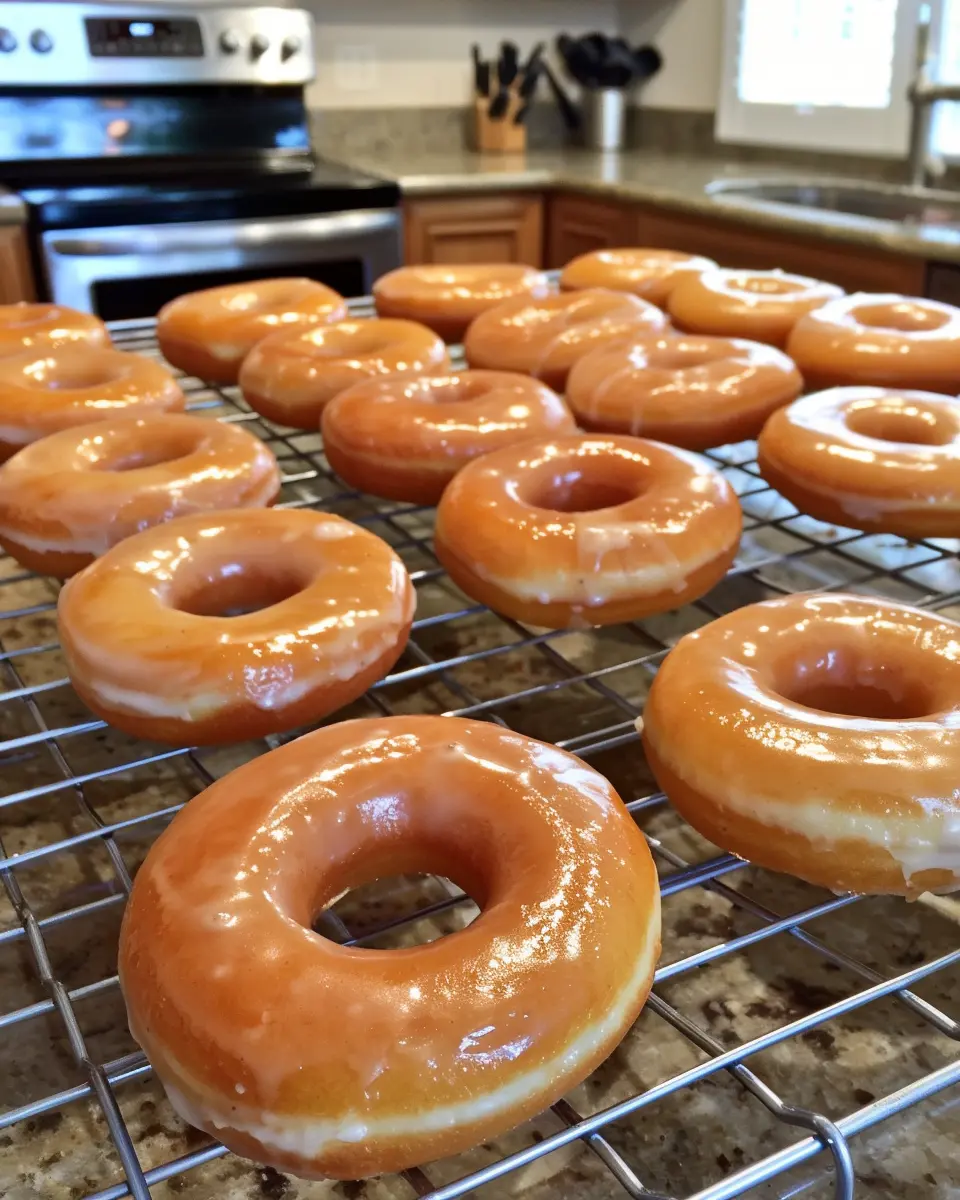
x,y
499,137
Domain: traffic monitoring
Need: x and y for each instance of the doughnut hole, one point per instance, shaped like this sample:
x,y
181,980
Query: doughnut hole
x,y
605,482
850,685
766,285
904,317
395,912
233,589
129,454
915,424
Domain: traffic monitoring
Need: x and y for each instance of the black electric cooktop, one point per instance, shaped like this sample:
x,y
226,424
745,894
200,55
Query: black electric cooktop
x,y
317,187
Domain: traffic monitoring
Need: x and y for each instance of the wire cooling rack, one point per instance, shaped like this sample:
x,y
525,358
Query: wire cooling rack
x,y
787,1027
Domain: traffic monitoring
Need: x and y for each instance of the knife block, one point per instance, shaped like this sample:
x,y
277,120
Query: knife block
x,y
499,137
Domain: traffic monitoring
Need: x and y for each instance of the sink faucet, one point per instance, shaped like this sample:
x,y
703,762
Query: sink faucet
x,y
924,93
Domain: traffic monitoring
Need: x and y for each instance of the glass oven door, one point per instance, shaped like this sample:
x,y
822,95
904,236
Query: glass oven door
x,y
133,270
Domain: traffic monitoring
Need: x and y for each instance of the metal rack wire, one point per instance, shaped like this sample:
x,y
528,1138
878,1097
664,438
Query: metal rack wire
x,y
758,973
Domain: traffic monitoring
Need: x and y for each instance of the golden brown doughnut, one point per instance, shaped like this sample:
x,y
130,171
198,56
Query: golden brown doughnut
x,y
817,735
290,378
544,338
209,333
685,389
71,496
346,1062
881,340
762,306
74,385
44,327
447,297
648,272
587,529
152,648
869,458
405,439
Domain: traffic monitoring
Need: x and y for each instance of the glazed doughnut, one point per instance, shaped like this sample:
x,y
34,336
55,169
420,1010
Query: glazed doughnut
x,y
209,333
822,741
760,305
437,1047
686,389
325,609
647,272
868,458
883,340
289,378
74,386
587,530
45,327
405,439
447,298
71,496
544,338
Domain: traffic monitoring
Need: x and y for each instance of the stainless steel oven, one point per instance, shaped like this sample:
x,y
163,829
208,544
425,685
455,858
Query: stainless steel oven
x,y
132,270
165,147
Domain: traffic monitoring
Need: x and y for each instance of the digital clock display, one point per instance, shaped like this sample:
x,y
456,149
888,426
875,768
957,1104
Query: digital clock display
x,y
144,37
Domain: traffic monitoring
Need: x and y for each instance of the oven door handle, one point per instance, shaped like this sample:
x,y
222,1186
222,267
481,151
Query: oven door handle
x,y
206,237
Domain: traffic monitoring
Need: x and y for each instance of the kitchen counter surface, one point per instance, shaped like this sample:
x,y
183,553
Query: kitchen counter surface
x,y
12,209
666,181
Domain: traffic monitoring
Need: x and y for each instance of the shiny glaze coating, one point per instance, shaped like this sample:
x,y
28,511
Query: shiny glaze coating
x,y
326,1060
74,385
747,731
71,496
149,649
762,306
587,530
405,439
880,340
291,377
544,338
687,389
647,272
869,458
447,297
209,333
44,327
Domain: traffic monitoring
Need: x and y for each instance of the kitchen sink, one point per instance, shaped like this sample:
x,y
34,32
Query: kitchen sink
x,y
878,202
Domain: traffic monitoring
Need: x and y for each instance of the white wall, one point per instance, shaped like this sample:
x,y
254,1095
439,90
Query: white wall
x,y
416,53
688,34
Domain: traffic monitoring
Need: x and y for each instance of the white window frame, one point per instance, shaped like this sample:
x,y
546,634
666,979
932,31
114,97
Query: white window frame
x,y
880,132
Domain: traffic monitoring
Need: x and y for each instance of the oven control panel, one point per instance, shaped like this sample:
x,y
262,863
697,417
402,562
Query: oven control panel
x,y
76,44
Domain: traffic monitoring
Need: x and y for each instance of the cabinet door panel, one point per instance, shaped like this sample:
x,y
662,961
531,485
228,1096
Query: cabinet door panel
x,y
579,225
460,229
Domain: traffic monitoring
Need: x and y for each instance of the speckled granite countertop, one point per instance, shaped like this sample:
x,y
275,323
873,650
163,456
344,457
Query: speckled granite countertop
x,y
671,182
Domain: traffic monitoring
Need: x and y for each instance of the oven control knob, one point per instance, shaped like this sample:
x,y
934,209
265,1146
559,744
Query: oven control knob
x,y
289,47
8,43
259,45
229,41
41,42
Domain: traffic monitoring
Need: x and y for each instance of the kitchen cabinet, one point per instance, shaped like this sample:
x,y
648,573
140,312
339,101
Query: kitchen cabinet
x,y
578,224
466,229
737,244
16,277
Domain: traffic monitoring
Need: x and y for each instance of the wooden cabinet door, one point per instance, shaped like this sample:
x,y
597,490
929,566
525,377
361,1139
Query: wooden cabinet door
x,y
579,224
16,278
735,244
467,229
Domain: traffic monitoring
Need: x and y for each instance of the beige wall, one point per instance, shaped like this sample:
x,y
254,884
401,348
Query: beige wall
x,y
416,53
688,34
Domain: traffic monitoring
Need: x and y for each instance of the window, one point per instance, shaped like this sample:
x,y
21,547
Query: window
x,y
946,117
821,74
